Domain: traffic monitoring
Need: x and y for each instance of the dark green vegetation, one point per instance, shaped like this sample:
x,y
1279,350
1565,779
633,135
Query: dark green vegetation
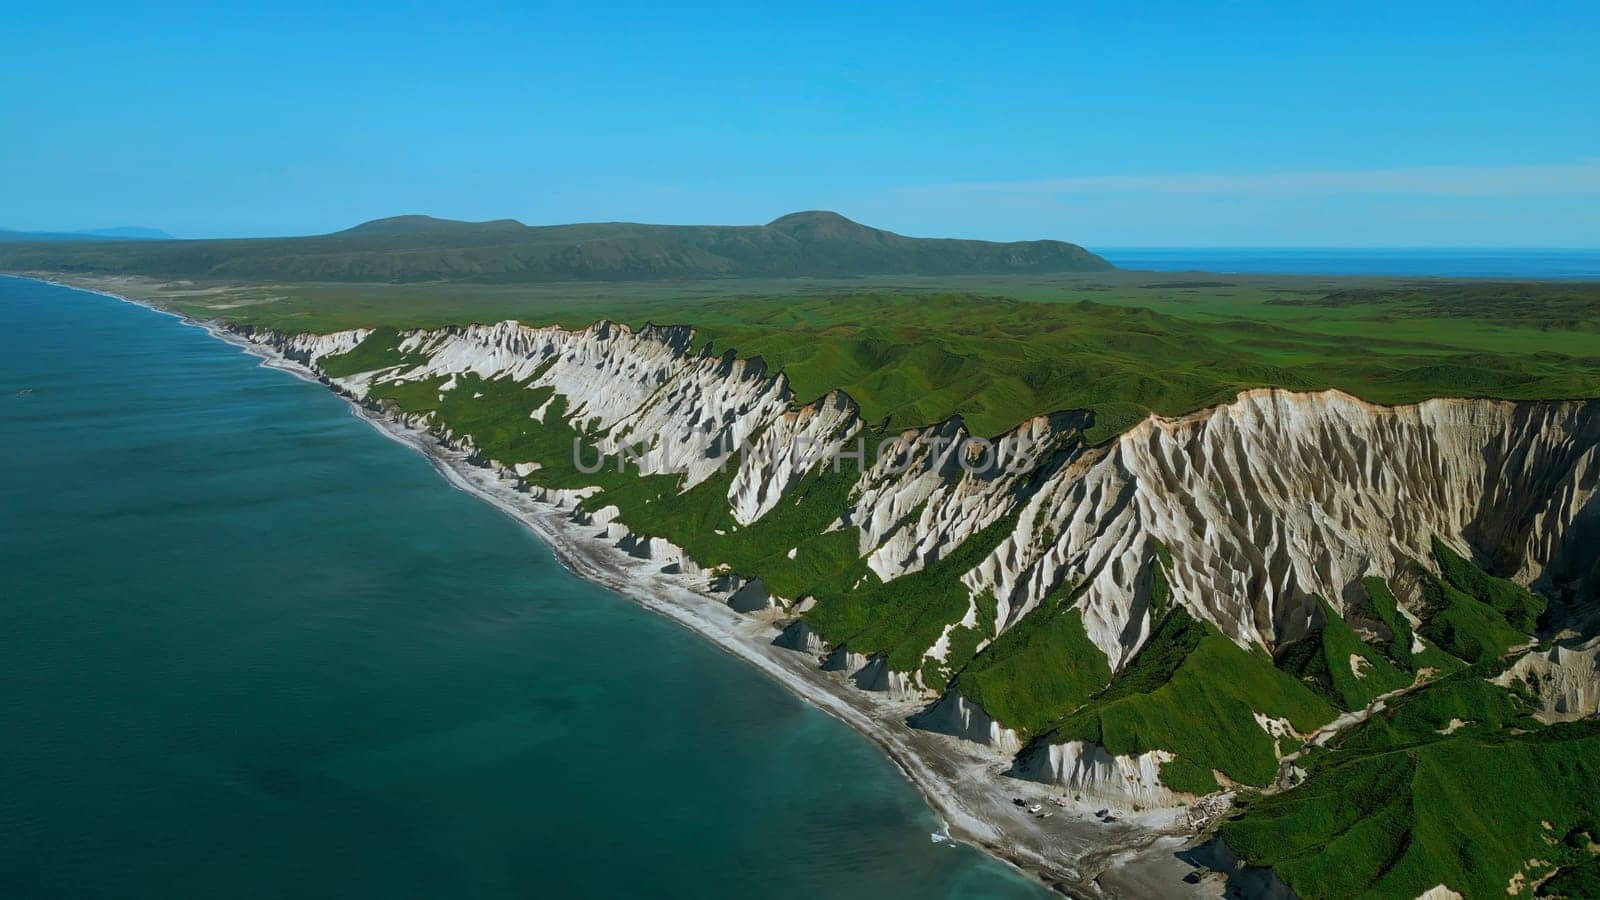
x,y
1038,669
904,617
1548,306
1337,664
1465,810
1515,604
1582,878
379,351
996,361
425,249
1000,350
1454,782
1472,615
1383,610
1193,692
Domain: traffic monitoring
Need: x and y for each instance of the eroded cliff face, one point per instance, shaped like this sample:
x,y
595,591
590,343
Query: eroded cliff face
x,y
1090,770
310,348
1250,510
1279,497
1564,678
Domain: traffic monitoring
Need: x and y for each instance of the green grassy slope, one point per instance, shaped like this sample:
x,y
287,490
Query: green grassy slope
x,y
904,617
1465,697
1039,670
1453,783
1383,610
1398,806
1193,692
380,350
1464,811
1473,615
1323,661
1519,607
1006,348
421,249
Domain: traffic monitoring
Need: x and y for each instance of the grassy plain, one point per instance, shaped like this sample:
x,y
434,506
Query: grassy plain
x,y
998,349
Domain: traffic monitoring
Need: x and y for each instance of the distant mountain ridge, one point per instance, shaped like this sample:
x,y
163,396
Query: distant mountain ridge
x,y
418,248
419,224
121,233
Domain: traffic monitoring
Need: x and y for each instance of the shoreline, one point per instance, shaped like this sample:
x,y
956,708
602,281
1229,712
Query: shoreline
x,y
963,783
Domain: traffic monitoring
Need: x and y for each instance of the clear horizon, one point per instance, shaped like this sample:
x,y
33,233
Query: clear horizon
x,y
1431,125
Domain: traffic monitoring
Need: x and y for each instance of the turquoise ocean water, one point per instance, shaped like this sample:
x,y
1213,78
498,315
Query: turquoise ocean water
x,y
251,648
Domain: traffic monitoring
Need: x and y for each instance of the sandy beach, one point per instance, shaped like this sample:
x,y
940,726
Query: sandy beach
x,y
964,783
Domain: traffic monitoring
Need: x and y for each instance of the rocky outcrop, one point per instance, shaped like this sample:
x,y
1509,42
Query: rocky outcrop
x,y
1090,770
1565,678
932,488
955,715
792,444
800,637
1279,497
876,675
752,596
308,349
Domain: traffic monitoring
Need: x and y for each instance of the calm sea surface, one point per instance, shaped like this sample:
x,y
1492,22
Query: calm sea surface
x,y
251,648
1473,263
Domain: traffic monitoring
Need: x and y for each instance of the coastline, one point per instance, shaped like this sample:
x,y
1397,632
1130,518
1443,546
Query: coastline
x,y
962,782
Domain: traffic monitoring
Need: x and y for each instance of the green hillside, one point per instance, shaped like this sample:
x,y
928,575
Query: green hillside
x,y
407,249
1453,783
997,349
1193,692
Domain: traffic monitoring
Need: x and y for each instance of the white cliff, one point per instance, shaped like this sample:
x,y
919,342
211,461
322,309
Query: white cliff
x,y
311,348
1565,678
1256,507
935,487
954,714
1279,497
1090,770
792,444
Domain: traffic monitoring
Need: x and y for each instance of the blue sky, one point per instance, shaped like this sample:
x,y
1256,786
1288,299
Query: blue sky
x,y
1117,124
